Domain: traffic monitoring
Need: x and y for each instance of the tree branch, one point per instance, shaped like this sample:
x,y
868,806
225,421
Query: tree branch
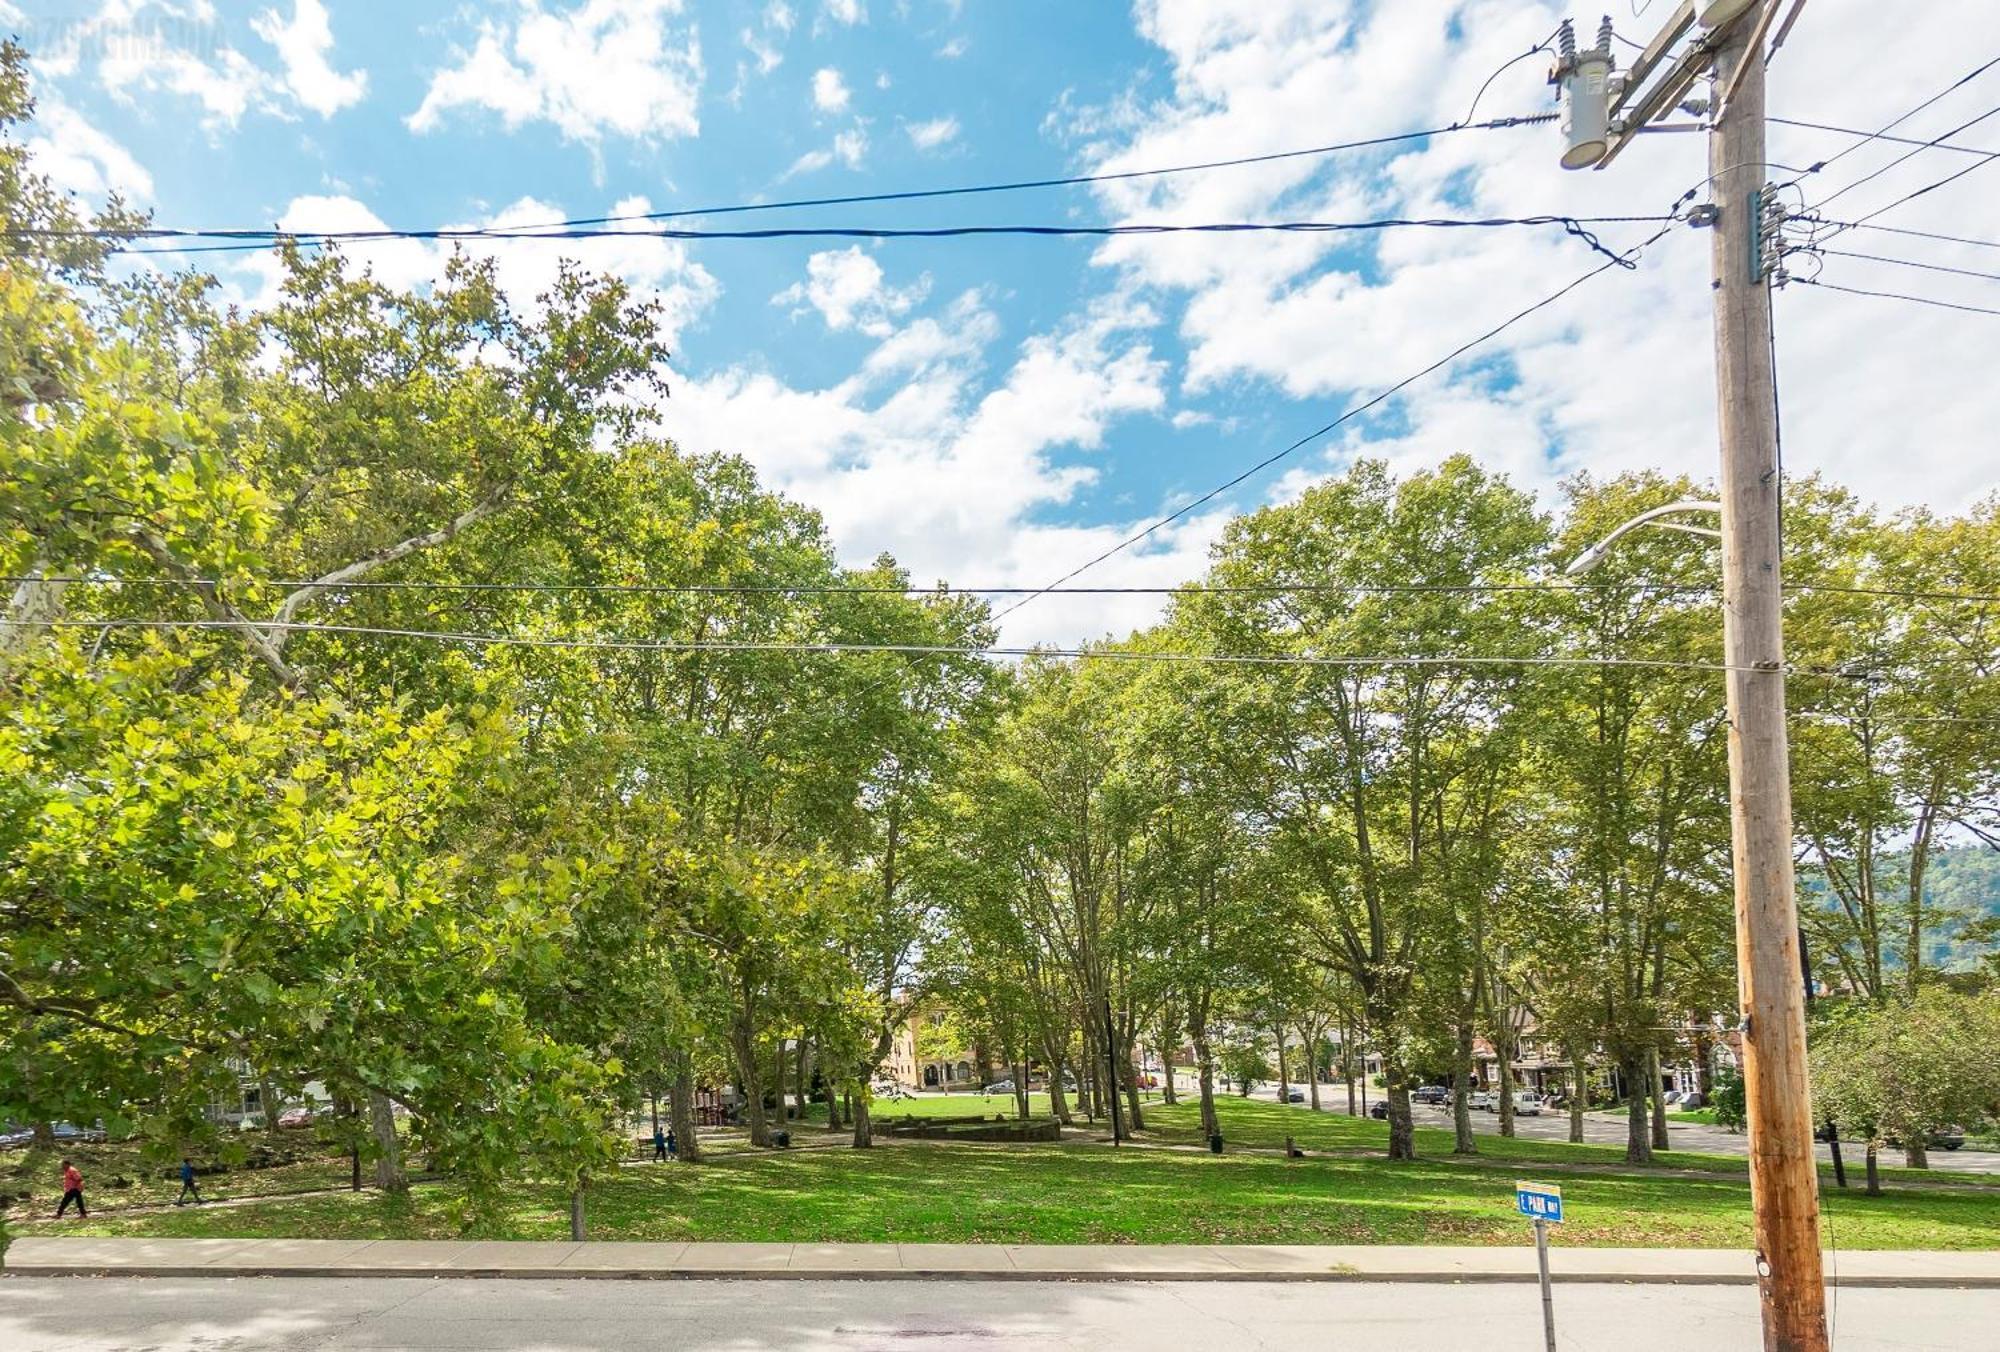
x,y
368,563
217,606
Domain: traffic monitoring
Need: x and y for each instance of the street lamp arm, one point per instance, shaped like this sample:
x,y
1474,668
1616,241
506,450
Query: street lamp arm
x,y
1594,555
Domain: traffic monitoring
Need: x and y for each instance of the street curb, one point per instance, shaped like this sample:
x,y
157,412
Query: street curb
x,y
1351,1275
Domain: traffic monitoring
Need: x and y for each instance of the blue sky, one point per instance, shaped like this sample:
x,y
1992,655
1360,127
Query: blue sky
x,y
996,411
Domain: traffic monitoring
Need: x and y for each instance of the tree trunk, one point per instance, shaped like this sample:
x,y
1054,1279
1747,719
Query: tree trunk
x,y
741,1041
1638,1131
1347,1066
1402,1136
1311,1044
864,1126
389,1175
1463,1141
1204,1065
1023,1108
1058,1098
1284,1073
1917,1155
1135,1119
680,1111
576,1230
273,1109
800,1080
1167,1094
1503,1066
45,1136
656,1113
1579,1097
1660,1141
1874,1172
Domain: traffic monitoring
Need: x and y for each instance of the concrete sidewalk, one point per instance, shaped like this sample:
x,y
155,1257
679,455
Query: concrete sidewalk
x,y
980,1262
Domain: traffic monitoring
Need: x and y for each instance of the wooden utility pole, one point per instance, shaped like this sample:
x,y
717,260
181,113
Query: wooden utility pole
x,y
1784,1180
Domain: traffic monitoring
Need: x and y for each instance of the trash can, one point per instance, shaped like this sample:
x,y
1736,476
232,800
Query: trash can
x,y
1215,1144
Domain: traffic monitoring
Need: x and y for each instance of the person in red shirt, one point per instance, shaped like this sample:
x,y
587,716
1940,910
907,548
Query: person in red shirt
x,y
72,1192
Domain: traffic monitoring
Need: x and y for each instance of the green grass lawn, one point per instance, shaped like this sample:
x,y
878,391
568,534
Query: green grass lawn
x,y
917,1191
1084,1194
120,1174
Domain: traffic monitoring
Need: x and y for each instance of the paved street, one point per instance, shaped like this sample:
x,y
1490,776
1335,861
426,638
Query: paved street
x,y
301,1314
1609,1129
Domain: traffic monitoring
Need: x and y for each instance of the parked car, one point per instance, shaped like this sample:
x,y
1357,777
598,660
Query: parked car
x,y
1379,1110
1690,1101
1434,1094
1000,1087
1295,1096
70,1131
1484,1101
1527,1104
302,1115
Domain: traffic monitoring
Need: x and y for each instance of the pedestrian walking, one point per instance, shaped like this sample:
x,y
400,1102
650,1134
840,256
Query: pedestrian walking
x,y
671,1143
72,1192
188,1184
659,1146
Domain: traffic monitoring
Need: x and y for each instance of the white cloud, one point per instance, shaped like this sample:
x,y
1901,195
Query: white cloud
x,y
78,157
767,55
778,16
849,12
954,49
657,269
304,45
846,287
1619,374
607,66
152,46
932,134
830,94
908,455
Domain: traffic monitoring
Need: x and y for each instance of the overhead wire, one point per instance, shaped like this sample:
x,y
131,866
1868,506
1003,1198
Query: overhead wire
x,y
1624,260
1895,122
951,589
583,223
1897,295
1575,225
831,647
1911,263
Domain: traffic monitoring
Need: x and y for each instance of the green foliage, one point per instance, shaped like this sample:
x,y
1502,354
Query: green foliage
x,y
1727,1102
1903,1070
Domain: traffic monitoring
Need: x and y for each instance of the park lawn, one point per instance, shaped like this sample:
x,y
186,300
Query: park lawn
x,y
123,1174
915,1192
1260,1124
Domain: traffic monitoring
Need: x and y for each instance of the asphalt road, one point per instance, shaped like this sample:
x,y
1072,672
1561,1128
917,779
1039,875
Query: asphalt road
x,y
59,1314
1609,1129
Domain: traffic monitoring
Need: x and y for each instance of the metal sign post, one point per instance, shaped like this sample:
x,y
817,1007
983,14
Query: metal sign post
x,y
1542,1203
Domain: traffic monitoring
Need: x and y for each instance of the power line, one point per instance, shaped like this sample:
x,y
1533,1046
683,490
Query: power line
x,y
1897,295
1916,234
1895,122
836,647
831,647
250,241
1906,155
1870,136
1910,263
1623,260
1930,187
578,223
947,590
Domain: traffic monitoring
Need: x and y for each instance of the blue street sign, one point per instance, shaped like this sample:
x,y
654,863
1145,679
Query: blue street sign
x,y
1539,1202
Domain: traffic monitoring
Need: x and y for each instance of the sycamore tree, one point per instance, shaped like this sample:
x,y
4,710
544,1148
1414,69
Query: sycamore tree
x,y
1896,725
1358,758
1900,1071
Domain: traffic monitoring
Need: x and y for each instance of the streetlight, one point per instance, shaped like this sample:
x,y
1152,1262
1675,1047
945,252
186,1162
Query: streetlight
x,y
1594,555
